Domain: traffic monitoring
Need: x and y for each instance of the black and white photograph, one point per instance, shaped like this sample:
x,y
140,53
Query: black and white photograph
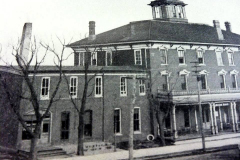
x,y
120,80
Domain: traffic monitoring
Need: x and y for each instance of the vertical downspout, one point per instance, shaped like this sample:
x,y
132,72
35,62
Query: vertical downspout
x,y
103,138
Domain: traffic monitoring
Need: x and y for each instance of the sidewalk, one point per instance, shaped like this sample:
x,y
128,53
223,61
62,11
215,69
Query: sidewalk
x,y
180,146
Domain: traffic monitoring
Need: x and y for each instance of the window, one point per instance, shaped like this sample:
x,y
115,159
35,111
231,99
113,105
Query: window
x,y
163,54
136,120
138,57
65,119
230,58
181,57
98,86
117,121
165,84
45,87
180,12
200,57
183,78
108,58
141,87
234,80
222,81
123,86
94,58
184,82
88,123
219,58
81,59
203,81
73,86
174,11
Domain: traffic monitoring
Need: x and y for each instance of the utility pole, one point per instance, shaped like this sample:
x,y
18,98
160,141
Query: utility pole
x,y
131,118
196,71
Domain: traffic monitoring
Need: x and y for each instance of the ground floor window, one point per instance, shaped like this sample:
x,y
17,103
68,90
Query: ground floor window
x,y
136,119
65,119
117,120
88,123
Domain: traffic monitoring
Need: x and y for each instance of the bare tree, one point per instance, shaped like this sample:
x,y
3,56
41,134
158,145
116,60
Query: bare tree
x,y
81,108
27,70
162,109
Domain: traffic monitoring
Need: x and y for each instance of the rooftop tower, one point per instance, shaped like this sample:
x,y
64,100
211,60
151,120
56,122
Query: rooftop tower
x,y
169,10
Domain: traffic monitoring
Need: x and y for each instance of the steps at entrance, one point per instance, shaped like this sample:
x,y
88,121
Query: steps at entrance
x,y
51,152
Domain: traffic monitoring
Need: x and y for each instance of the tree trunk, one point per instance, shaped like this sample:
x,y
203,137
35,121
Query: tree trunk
x,y
81,113
80,135
161,128
34,142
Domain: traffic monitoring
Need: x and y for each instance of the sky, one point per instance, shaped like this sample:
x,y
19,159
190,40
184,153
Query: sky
x,y
68,19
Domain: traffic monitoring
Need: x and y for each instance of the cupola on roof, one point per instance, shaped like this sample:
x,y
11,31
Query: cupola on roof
x,y
169,10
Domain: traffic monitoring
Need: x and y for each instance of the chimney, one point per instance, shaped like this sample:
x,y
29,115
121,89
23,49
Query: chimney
x,y
25,42
228,27
218,29
92,35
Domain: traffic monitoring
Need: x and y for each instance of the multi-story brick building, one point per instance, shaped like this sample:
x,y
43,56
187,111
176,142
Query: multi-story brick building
x,y
162,50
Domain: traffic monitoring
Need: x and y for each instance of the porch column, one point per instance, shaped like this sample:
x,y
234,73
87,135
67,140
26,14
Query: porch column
x,y
211,118
232,117
175,134
190,122
235,115
220,117
196,119
214,118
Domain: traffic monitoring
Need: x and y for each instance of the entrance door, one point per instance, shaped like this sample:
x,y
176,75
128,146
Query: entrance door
x,y
206,118
45,134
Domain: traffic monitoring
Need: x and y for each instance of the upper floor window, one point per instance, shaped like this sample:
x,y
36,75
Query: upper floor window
x,y
183,78
81,59
108,58
73,86
165,83
234,80
181,56
222,81
136,120
163,53
200,57
184,82
165,74
45,87
203,81
141,87
230,58
123,86
138,57
94,58
222,75
98,86
117,121
234,74
219,58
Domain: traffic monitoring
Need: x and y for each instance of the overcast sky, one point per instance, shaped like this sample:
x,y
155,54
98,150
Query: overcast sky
x,y
69,18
